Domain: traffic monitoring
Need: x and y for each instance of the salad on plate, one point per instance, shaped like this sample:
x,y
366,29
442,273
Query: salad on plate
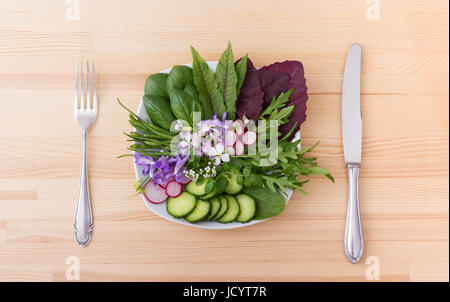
x,y
220,141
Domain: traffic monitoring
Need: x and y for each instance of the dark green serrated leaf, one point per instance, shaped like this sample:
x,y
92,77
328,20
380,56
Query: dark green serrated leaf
x,y
209,94
227,80
241,71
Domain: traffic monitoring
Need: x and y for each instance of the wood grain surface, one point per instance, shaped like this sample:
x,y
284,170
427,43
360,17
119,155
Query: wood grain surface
x,y
404,176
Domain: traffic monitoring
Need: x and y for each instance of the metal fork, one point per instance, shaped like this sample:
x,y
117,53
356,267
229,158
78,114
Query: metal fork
x,y
85,115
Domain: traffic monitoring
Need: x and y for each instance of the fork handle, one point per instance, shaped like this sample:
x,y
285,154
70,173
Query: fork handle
x,y
83,222
354,240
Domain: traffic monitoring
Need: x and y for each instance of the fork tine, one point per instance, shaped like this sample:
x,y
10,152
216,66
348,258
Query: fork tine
x,y
82,87
94,87
88,84
76,87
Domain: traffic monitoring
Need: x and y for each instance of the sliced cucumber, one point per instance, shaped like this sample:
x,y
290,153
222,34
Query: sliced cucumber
x,y
200,212
182,205
223,207
235,183
232,211
209,195
247,208
201,189
215,208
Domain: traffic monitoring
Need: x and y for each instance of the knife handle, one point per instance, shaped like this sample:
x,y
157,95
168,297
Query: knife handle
x,y
354,240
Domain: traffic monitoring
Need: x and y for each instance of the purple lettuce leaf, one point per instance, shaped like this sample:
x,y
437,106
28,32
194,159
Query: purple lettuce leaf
x,y
251,96
300,95
273,83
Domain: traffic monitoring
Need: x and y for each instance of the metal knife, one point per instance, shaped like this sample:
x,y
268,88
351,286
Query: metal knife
x,y
352,138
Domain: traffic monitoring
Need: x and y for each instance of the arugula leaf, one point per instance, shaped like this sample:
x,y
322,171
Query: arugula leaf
x,y
183,105
209,93
277,103
156,85
158,110
227,81
241,71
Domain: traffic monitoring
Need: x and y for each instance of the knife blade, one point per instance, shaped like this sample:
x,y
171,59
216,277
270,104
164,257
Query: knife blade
x,y
351,107
352,141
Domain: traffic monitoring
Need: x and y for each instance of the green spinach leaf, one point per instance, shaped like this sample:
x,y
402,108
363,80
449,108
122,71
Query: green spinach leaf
x,y
179,76
158,110
268,203
156,85
183,105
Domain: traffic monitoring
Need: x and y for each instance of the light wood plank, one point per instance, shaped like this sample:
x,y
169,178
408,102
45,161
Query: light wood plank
x,y
404,177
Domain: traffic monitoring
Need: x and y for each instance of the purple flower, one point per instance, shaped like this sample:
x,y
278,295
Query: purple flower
x,y
147,162
163,170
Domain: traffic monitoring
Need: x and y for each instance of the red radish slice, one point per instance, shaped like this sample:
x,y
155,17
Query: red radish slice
x,y
238,126
185,180
230,138
230,150
249,138
239,148
154,193
174,189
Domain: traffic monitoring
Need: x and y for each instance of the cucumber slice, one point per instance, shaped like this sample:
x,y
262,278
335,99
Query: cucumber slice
x,y
233,210
209,195
215,208
247,208
182,205
200,189
234,185
223,208
200,212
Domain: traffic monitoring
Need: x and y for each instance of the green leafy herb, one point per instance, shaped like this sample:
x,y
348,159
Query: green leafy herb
x,y
241,71
227,81
156,85
209,93
183,105
268,203
179,77
220,183
158,110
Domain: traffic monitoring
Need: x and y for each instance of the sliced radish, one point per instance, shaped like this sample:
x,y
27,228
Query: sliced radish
x,y
238,127
185,180
230,138
249,138
174,189
154,193
230,150
239,148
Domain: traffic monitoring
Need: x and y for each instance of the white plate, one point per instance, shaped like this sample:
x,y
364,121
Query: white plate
x,y
160,209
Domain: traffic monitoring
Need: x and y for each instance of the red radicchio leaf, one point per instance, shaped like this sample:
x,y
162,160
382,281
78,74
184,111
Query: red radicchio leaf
x,y
300,95
273,83
250,99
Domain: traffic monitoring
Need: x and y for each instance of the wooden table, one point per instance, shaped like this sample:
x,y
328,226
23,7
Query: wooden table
x,y
405,170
